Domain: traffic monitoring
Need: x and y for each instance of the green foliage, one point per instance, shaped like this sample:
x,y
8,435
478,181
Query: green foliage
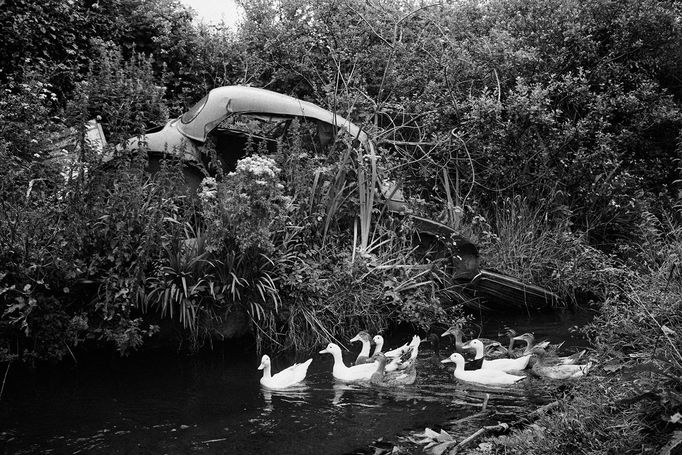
x,y
124,94
578,107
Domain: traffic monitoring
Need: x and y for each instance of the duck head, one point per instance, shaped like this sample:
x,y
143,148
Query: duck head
x,y
362,336
455,358
476,345
379,342
454,331
264,362
331,349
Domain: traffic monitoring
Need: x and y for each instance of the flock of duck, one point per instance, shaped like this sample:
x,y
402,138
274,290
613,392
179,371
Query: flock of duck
x,y
479,361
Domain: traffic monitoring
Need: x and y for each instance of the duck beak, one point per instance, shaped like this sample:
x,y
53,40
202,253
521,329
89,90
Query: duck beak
x,y
446,333
355,338
446,361
324,351
466,345
261,366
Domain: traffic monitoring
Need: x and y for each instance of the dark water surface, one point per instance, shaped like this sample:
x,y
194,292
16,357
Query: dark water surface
x,y
214,404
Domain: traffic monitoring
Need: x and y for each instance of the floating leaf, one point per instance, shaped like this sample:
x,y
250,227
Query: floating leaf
x,y
668,331
444,436
428,433
424,441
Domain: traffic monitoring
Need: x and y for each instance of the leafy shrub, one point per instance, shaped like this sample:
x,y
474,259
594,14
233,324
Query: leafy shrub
x,y
124,94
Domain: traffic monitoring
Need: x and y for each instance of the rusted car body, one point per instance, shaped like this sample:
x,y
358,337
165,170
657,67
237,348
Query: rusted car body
x,y
227,118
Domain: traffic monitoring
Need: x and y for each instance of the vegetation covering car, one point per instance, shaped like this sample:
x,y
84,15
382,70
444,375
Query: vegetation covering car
x,y
216,132
220,125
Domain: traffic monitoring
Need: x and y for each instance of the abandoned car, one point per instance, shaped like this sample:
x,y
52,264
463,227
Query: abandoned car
x,y
213,135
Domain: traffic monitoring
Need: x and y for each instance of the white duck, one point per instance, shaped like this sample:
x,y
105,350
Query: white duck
x,y
366,340
285,378
489,376
362,372
505,365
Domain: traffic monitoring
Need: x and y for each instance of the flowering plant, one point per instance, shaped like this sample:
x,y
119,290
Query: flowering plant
x,y
247,203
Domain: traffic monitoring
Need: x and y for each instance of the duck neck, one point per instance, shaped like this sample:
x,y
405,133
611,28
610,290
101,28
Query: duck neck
x,y
267,373
459,367
381,369
338,360
479,352
511,342
458,341
379,346
365,349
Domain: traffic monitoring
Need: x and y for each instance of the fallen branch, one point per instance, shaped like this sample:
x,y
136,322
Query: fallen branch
x,y
503,427
500,427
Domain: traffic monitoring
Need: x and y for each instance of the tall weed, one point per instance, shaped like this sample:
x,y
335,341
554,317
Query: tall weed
x,y
536,248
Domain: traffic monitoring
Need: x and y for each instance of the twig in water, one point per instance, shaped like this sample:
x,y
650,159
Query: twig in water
x,y
70,352
5,379
213,440
503,427
485,402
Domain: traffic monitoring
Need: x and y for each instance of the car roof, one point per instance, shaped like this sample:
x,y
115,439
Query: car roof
x,y
223,101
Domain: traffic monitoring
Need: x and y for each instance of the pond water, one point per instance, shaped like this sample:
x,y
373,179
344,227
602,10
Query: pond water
x,y
214,403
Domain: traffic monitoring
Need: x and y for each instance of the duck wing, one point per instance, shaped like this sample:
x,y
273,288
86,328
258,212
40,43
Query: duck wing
x,y
507,365
559,371
289,376
361,372
489,377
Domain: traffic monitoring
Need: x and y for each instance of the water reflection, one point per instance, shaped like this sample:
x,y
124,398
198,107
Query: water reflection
x,y
297,395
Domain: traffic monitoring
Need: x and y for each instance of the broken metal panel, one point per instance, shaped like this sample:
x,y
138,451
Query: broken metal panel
x,y
94,136
223,101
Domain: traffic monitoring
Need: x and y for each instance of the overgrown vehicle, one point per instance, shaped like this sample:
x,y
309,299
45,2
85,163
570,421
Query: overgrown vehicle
x,y
218,130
